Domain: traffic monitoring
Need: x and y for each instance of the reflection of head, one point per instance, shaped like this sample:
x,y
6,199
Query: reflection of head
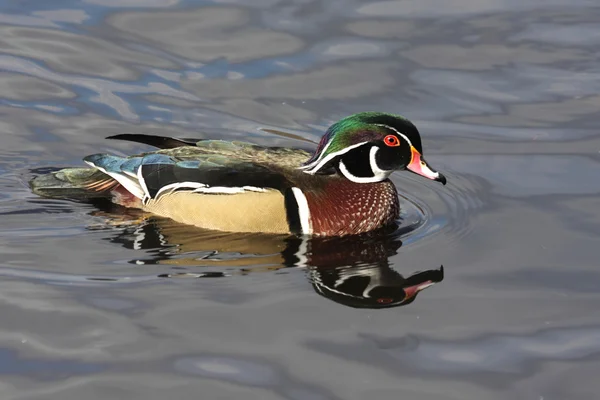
x,y
371,286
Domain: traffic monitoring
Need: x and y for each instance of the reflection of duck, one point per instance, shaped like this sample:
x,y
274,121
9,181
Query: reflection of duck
x,y
341,189
371,286
350,270
359,274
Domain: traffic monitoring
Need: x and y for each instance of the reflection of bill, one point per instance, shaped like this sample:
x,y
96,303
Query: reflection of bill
x,y
352,270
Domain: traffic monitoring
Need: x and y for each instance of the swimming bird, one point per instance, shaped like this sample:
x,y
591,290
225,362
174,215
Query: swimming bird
x,y
342,188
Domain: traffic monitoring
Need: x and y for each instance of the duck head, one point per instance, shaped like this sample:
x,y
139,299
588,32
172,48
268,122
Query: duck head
x,y
367,147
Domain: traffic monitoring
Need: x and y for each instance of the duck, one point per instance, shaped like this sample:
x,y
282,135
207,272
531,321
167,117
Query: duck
x,y
342,188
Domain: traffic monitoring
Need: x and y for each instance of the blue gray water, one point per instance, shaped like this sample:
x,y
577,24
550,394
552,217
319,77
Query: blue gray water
x,y
505,93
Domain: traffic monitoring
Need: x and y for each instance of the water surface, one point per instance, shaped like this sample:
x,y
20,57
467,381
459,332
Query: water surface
x,y
101,302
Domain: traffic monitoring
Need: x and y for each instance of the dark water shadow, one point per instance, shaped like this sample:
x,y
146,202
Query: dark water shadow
x,y
354,271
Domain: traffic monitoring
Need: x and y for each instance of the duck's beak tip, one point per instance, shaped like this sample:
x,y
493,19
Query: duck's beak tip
x,y
441,178
420,167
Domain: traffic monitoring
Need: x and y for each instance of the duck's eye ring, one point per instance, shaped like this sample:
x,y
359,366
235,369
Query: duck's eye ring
x,y
391,141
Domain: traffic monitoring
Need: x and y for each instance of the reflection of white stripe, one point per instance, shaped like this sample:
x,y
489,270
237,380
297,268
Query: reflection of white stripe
x,y
139,237
303,211
331,156
301,254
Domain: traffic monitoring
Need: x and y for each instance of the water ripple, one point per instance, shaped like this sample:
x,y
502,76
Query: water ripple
x,y
105,92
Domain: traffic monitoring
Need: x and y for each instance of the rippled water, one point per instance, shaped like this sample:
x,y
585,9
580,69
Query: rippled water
x,y
97,302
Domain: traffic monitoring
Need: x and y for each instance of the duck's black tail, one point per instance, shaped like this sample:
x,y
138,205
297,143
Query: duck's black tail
x,y
161,142
92,183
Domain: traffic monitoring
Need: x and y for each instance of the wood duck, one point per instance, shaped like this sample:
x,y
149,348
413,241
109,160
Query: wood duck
x,y
341,189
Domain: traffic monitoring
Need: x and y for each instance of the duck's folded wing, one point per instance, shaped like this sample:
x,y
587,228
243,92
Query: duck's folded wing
x,y
151,176
184,148
211,191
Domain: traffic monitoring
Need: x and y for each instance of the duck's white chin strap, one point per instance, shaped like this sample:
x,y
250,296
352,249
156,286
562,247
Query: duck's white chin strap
x,y
378,173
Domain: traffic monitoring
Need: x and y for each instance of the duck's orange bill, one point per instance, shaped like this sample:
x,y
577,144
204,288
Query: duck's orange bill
x,y
419,166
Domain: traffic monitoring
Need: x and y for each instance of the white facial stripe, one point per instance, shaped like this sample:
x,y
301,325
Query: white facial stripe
x,y
319,158
378,174
331,156
373,162
398,132
303,211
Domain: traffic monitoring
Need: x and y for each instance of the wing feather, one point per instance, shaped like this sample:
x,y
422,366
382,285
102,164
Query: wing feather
x,y
155,175
111,166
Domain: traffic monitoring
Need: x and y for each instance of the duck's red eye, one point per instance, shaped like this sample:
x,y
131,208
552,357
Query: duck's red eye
x,y
391,140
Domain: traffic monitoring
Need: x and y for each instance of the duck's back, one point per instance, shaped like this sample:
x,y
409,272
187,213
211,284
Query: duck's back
x,y
214,184
230,153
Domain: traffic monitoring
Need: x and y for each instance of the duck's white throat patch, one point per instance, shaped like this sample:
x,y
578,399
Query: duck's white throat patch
x,y
378,173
